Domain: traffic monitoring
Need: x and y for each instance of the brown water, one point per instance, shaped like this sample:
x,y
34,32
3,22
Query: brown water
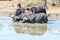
x,y
33,29
20,31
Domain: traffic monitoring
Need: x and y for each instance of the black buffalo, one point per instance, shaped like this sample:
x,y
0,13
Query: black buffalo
x,y
19,11
33,15
37,18
32,18
37,9
22,16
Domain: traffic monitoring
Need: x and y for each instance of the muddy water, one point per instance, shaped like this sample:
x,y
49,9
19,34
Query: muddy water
x,y
16,31
33,29
6,23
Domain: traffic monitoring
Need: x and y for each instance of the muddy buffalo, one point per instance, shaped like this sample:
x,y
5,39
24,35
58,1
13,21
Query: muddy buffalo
x,y
23,16
32,18
31,15
37,18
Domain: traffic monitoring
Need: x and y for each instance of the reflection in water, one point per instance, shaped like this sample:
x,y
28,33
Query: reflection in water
x,y
7,31
33,29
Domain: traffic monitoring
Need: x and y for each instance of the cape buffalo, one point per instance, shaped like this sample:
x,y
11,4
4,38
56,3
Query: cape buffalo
x,y
38,9
41,18
23,15
19,11
32,18
37,18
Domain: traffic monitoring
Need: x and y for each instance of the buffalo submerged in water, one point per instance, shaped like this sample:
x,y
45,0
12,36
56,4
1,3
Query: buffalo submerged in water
x,y
31,15
36,18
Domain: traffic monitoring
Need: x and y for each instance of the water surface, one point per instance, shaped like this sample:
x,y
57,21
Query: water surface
x,y
7,32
